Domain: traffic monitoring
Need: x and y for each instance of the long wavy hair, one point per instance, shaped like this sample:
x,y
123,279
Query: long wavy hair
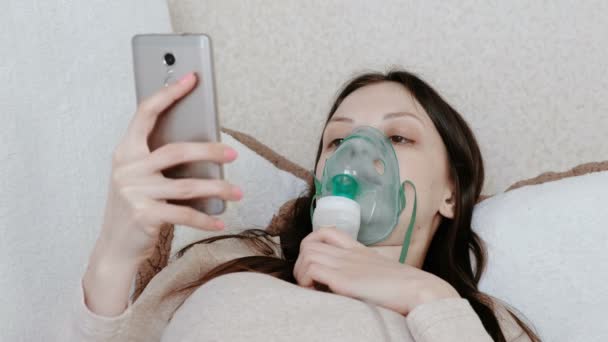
x,y
448,255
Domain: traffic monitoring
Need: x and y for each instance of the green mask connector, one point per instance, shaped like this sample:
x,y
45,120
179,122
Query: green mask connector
x,y
344,185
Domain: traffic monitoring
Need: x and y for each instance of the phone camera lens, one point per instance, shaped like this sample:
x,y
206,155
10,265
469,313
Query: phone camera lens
x,y
169,59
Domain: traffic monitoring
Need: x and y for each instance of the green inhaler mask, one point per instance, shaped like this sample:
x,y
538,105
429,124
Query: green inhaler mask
x,y
360,190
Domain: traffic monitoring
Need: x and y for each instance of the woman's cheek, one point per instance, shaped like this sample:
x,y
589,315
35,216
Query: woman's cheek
x,y
320,165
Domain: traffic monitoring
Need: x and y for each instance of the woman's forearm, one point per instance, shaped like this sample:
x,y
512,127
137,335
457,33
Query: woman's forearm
x,y
107,284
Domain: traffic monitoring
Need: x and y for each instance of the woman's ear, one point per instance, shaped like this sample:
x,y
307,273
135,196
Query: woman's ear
x,y
448,202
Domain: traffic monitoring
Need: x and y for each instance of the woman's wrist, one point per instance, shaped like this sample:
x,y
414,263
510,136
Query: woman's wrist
x,y
107,283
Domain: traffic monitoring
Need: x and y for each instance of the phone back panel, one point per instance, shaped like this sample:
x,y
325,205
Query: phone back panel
x,y
193,118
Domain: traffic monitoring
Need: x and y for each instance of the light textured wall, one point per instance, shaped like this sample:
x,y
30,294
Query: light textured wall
x,y
66,98
530,77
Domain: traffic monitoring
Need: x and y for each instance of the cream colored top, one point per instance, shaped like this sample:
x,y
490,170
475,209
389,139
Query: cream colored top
x,y
249,306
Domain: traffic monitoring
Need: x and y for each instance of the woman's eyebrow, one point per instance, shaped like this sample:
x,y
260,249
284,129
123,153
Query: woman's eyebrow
x,y
401,114
386,117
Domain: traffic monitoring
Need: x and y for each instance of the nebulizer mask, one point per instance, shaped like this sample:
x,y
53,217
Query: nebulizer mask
x,y
360,190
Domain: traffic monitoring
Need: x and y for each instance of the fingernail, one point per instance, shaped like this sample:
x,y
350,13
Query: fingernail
x,y
230,154
186,78
219,224
237,192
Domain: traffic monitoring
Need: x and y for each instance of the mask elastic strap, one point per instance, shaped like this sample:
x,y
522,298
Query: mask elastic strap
x,y
312,201
410,228
318,185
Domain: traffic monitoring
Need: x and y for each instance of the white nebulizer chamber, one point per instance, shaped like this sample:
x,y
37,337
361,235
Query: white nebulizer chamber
x,y
341,212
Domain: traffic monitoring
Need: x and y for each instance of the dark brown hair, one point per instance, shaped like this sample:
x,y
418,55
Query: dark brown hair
x,y
448,255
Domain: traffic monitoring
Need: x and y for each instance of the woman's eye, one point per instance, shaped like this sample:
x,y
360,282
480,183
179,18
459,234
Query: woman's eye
x,y
394,138
334,144
400,140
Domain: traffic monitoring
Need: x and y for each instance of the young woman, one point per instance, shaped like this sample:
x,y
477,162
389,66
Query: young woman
x,y
256,285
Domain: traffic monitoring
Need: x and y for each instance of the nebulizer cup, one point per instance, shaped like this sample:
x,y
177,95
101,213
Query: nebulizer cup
x,y
339,209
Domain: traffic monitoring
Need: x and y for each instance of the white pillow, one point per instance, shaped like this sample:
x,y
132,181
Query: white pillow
x,y
548,254
265,188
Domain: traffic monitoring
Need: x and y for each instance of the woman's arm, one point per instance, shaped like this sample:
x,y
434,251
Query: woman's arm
x,y
453,319
107,283
138,202
434,309
448,319
86,325
146,318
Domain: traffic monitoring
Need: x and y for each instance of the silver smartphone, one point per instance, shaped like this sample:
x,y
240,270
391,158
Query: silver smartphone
x,y
159,60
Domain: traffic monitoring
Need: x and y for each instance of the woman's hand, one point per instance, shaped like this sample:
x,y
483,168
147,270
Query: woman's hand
x,y
349,268
137,207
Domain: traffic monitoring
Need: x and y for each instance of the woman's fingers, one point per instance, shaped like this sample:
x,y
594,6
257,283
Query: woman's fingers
x,y
135,141
332,236
177,214
324,253
186,188
319,273
173,154
150,108
316,253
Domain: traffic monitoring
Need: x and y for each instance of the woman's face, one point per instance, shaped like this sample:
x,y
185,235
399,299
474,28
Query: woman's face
x,y
390,107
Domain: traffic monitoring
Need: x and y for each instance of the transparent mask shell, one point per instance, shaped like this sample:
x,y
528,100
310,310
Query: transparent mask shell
x,y
367,156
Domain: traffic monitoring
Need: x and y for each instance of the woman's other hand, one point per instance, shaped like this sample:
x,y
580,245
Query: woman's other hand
x,y
349,268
